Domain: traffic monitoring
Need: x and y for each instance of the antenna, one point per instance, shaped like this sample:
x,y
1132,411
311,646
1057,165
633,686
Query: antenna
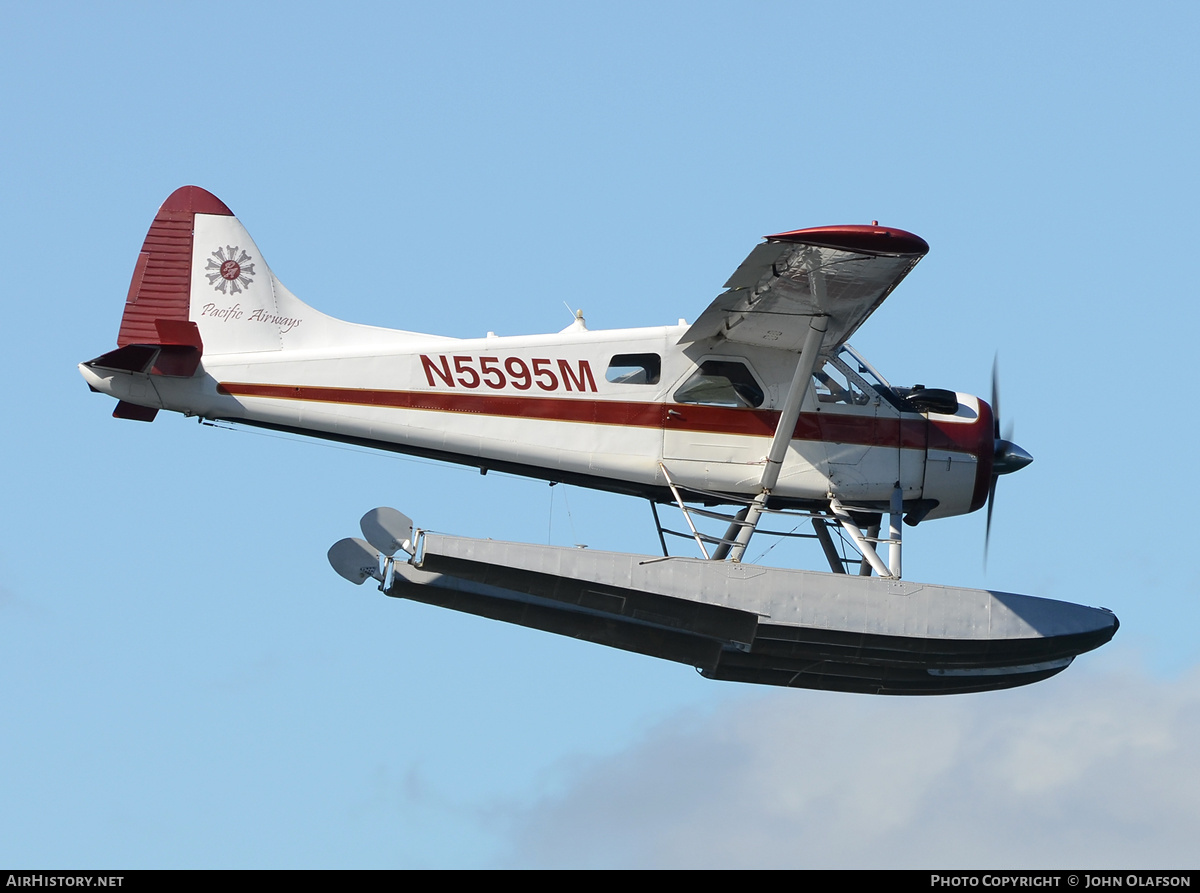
x,y
578,323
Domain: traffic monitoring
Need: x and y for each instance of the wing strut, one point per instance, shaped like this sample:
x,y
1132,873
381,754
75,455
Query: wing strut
x,y
784,431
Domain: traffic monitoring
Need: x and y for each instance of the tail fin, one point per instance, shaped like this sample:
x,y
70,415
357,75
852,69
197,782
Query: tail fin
x,y
201,285
157,335
160,291
201,288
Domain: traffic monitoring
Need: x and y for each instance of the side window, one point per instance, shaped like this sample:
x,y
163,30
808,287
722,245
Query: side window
x,y
634,368
721,383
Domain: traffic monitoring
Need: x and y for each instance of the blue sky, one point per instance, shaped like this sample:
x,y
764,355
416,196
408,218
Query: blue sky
x,y
187,683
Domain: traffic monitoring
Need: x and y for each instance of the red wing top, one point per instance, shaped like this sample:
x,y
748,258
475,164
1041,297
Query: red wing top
x,y
843,272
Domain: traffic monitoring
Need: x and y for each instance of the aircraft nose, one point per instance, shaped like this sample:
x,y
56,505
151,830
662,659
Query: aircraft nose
x,y
1009,457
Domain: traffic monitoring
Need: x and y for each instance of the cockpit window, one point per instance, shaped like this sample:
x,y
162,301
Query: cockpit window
x,y
721,383
634,368
835,383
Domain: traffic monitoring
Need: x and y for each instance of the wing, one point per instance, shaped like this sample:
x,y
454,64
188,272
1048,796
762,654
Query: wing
x,y
843,272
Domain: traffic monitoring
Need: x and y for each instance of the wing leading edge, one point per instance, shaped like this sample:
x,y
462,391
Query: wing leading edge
x,y
843,272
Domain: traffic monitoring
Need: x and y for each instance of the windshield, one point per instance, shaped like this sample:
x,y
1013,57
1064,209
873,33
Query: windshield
x,y
857,375
854,360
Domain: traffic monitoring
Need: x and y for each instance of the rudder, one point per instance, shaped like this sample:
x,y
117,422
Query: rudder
x,y
160,290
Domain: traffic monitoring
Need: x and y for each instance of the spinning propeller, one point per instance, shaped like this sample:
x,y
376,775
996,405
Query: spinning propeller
x,y
1008,457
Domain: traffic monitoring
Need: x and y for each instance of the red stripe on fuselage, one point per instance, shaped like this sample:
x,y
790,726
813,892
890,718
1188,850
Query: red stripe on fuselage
x,y
604,412
815,426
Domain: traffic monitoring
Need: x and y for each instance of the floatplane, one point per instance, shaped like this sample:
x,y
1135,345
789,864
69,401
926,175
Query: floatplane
x,y
759,409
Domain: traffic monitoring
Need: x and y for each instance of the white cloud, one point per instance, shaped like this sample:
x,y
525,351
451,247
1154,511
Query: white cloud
x,y
1091,769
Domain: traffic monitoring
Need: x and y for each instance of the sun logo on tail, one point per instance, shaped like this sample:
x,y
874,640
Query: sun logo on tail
x,y
231,272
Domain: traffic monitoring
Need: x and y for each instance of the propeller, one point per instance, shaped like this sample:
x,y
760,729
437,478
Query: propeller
x,y
1007,457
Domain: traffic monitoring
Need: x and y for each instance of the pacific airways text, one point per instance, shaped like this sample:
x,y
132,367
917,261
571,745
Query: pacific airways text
x,y
235,312
515,372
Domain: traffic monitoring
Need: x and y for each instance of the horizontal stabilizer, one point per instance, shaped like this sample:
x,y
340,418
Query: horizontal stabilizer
x,y
175,350
133,411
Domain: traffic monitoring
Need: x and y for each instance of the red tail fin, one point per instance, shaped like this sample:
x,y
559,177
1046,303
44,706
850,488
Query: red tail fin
x,y
162,280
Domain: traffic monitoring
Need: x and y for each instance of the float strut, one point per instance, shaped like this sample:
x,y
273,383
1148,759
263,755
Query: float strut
x,y
831,553
864,566
861,542
894,527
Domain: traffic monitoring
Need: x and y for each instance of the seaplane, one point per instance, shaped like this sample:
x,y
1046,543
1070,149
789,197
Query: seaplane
x,y
760,411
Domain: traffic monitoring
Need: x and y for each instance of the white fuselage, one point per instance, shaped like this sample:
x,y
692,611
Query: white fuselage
x,y
544,404
208,330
